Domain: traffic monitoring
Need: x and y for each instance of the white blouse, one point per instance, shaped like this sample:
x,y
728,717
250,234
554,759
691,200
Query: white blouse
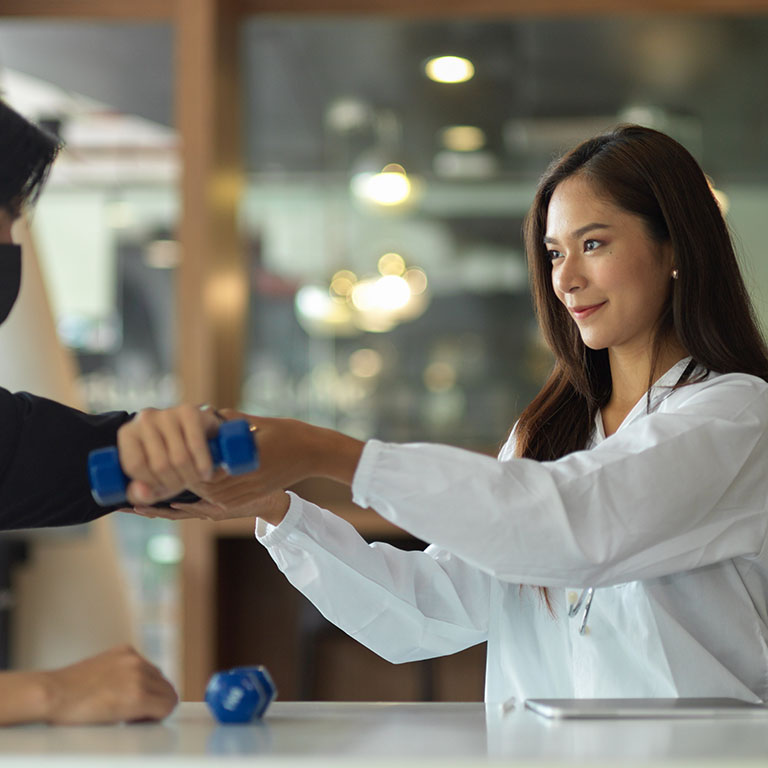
x,y
667,519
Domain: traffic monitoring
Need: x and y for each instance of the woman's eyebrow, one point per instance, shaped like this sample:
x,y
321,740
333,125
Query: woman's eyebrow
x,y
580,231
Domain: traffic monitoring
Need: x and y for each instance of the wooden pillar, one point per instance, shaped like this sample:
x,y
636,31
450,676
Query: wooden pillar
x,y
212,288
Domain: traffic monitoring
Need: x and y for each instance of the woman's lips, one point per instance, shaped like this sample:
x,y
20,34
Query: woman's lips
x,y
582,312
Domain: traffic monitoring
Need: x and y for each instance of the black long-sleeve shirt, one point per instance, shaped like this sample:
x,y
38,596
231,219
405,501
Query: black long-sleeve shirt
x,y
44,448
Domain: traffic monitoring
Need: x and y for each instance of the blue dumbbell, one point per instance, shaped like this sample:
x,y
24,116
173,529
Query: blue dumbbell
x,y
240,695
233,448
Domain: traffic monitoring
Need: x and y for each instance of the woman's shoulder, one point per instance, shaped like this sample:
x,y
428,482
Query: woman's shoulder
x,y
735,380
734,391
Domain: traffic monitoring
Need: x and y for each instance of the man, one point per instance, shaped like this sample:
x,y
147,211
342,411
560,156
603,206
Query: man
x,y
43,452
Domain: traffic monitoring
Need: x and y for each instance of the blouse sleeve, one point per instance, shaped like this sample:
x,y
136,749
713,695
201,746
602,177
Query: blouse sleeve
x,y
674,490
403,605
44,448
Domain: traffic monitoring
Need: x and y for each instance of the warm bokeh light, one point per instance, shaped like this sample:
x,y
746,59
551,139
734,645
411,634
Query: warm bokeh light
x,y
320,313
387,294
389,187
449,69
343,282
391,264
416,279
365,363
463,138
376,303
392,292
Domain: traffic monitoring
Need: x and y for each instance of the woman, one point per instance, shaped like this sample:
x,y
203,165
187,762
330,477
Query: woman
x,y
43,481
630,496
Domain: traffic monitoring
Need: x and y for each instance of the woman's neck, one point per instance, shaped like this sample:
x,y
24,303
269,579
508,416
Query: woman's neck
x,y
631,372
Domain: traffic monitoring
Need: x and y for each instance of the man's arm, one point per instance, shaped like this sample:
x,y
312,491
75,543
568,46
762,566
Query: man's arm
x,y
44,448
114,686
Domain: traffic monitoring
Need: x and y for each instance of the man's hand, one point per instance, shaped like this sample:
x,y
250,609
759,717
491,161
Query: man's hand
x,y
114,686
166,451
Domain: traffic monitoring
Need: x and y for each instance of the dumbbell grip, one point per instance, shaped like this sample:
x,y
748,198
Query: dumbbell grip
x,y
233,448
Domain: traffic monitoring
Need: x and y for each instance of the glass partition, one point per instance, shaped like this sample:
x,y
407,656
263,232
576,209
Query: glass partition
x,y
386,198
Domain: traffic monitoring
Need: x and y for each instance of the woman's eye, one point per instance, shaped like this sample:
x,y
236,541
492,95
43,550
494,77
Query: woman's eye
x,y
554,255
590,245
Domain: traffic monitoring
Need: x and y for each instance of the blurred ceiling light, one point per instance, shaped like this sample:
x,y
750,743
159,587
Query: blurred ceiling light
x,y
391,264
376,303
390,187
383,294
365,363
319,313
449,69
343,282
392,292
416,279
162,254
463,138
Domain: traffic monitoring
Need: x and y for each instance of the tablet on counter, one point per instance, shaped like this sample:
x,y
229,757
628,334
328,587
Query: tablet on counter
x,y
645,708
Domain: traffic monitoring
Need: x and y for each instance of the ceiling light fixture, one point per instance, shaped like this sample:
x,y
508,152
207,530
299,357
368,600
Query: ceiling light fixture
x,y
449,69
390,187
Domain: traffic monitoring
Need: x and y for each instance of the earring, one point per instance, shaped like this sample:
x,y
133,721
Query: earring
x,y
675,273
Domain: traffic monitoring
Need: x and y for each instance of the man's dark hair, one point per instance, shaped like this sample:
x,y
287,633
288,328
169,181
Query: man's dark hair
x,y
26,155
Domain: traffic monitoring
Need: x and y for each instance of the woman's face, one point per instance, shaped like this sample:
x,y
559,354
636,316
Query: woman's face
x,y
611,275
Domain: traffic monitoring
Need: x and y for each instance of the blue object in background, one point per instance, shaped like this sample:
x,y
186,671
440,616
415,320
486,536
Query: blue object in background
x,y
240,695
233,448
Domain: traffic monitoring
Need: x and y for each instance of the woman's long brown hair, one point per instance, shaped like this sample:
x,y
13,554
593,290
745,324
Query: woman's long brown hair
x,y
648,174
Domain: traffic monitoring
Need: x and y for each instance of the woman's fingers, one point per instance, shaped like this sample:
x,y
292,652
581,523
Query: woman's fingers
x,y
167,513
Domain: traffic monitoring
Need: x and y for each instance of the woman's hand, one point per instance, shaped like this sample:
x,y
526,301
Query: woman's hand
x,y
115,686
226,498
289,451
166,451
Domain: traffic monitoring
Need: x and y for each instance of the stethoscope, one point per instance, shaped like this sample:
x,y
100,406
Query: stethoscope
x,y
585,599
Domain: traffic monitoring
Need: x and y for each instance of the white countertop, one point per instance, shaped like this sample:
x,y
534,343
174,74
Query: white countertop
x,y
326,734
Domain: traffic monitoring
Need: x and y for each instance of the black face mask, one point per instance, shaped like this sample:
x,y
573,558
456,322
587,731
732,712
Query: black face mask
x,y
10,277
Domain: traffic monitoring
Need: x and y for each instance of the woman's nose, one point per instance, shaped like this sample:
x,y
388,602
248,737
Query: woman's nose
x,y
567,275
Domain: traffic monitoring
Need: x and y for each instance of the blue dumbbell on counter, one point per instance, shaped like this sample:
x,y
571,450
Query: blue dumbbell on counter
x,y
240,695
233,448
